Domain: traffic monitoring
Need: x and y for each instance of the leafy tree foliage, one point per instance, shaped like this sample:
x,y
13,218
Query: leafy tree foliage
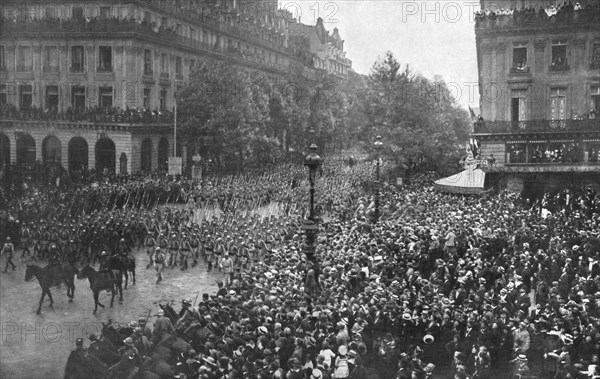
x,y
236,118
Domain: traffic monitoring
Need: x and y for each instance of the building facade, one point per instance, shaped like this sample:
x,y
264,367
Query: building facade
x,y
539,85
326,51
107,72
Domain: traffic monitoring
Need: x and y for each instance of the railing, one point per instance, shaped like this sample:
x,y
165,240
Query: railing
x,y
538,126
115,26
529,19
559,67
519,71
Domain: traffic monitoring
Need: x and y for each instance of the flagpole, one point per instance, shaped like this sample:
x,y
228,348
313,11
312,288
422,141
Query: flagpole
x,y
175,130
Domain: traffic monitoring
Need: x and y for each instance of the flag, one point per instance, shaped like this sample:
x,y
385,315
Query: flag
x,y
473,116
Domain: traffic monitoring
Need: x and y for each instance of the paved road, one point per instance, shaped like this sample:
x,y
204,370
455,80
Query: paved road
x,y
35,346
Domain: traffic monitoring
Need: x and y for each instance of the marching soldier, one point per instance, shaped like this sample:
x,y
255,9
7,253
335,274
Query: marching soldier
x,y
9,250
64,236
35,240
185,251
159,263
219,251
54,237
209,247
195,245
150,244
25,234
45,242
173,251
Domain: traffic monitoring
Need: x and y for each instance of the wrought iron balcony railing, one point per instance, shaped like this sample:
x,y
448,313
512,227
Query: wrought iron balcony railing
x,y
520,71
559,67
587,125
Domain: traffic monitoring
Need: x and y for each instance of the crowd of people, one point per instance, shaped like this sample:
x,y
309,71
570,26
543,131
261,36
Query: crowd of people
x,y
583,11
441,286
89,114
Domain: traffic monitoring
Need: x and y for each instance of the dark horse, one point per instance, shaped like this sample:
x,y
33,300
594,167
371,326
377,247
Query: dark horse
x,y
102,281
52,276
123,264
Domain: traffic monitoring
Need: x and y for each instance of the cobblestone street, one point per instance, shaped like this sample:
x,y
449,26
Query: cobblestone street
x,y
35,346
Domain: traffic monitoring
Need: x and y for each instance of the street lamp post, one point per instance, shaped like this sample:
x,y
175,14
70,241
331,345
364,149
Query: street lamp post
x,y
313,162
378,145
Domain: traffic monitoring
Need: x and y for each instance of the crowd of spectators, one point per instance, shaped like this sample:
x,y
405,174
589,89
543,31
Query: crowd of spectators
x,y
441,285
88,114
584,11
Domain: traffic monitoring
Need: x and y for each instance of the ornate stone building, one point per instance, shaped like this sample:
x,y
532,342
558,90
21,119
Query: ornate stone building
x,y
539,85
326,51
93,83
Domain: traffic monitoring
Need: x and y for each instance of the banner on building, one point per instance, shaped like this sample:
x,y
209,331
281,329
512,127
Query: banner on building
x,y
197,172
175,166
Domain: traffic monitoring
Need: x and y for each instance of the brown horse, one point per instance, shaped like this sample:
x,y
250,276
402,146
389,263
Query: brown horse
x,y
52,276
125,265
100,281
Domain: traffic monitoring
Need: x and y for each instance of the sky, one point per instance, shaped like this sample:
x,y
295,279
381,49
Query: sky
x,y
434,37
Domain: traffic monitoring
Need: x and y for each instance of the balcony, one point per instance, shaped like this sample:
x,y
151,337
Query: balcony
x,y
104,69
559,67
516,70
127,29
537,126
528,19
50,69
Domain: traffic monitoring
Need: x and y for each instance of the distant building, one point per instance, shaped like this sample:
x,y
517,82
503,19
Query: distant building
x,y
539,85
326,50
91,84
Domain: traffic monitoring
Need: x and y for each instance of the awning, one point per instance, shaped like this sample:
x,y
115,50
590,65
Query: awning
x,y
466,182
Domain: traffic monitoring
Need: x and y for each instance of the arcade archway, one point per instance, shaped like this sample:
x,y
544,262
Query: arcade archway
x,y
51,150
78,153
25,150
163,154
146,158
4,150
105,155
123,164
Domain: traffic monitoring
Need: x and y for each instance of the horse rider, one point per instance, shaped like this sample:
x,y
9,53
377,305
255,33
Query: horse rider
x,y
129,348
124,249
186,315
9,249
162,327
142,321
77,364
159,263
150,243
53,255
105,265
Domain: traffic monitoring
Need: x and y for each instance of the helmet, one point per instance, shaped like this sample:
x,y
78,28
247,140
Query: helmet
x,y
104,254
187,302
